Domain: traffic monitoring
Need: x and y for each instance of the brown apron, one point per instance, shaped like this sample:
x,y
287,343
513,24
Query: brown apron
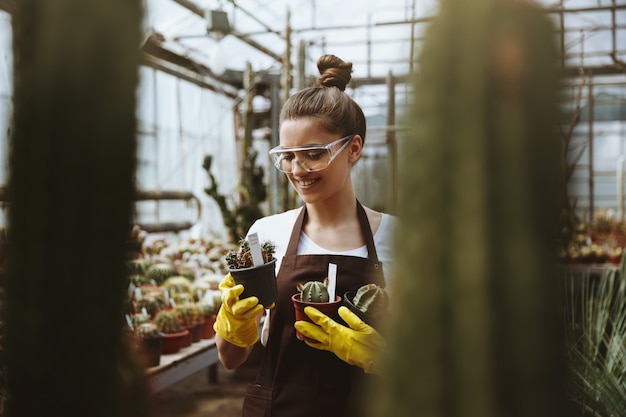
x,y
295,379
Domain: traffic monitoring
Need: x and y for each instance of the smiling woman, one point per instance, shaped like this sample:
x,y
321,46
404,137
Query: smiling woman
x,y
323,130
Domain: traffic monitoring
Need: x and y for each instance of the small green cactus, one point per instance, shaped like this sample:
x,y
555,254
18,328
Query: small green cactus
x,y
138,280
207,309
153,302
198,312
314,291
372,299
138,319
167,322
147,330
137,266
159,272
182,298
185,314
177,284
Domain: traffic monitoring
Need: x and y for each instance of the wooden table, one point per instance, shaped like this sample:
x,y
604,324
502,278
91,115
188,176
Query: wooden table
x,y
187,361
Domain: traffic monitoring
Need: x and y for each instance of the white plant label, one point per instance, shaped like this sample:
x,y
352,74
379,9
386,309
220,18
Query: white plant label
x,y
255,249
332,281
129,321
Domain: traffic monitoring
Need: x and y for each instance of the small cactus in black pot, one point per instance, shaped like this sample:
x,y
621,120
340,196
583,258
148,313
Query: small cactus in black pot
x,y
370,303
257,280
372,300
242,258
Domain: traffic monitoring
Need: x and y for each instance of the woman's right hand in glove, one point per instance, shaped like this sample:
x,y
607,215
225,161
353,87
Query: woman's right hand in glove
x,y
236,320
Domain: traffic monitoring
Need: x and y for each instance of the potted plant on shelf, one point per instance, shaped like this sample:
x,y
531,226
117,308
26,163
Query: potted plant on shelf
x,y
314,293
370,303
150,342
190,318
173,334
209,312
258,279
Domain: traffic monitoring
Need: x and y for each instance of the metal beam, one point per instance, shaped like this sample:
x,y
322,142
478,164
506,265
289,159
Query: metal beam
x,y
192,7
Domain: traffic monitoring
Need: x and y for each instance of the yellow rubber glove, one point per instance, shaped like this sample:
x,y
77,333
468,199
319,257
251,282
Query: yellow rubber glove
x,y
236,320
360,344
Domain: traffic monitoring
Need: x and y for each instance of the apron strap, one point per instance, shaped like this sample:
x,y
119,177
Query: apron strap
x,y
366,232
292,248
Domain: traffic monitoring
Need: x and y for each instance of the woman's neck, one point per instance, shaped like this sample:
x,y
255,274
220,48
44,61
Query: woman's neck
x,y
332,213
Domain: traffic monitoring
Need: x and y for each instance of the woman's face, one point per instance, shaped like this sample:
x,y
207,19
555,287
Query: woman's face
x,y
318,186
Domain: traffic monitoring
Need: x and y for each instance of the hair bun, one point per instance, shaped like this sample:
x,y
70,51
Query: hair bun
x,y
334,72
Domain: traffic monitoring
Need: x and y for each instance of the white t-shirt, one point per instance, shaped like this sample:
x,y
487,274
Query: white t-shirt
x,y
277,229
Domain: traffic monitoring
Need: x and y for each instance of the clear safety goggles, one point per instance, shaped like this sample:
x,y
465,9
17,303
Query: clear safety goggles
x,y
310,157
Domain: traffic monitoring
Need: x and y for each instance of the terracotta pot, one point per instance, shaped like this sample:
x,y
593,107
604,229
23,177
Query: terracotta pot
x,y
196,332
151,348
330,309
259,281
188,337
173,342
207,328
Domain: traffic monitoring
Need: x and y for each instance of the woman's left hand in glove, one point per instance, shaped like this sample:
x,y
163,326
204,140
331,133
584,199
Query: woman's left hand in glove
x,y
360,344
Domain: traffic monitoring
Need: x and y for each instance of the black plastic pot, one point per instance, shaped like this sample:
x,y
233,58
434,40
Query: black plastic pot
x,y
259,281
375,322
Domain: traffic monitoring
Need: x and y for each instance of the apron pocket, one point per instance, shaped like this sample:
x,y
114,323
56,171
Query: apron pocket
x,y
257,402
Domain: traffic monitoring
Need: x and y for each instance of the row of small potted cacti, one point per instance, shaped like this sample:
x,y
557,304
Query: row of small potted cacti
x,y
153,258
172,328
171,302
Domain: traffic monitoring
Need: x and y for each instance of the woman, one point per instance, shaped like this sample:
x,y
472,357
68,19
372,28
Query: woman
x,y
322,131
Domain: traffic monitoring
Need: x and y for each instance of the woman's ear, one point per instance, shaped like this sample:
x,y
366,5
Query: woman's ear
x,y
355,148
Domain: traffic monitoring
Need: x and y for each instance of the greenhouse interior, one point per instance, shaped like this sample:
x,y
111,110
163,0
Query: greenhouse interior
x,y
148,151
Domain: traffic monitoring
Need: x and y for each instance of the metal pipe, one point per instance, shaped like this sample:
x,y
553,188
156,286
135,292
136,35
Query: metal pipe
x,y
192,7
158,195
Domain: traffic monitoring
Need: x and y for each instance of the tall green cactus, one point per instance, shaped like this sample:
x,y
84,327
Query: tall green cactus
x,y
476,330
70,190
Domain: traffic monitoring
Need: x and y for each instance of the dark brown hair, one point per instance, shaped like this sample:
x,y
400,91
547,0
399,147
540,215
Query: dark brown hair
x,y
327,102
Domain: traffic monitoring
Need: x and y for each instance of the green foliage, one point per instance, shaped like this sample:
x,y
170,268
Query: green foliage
x,y
595,310
251,194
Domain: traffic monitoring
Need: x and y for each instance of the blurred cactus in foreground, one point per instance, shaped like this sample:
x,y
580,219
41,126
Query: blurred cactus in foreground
x,y
70,190
476,329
